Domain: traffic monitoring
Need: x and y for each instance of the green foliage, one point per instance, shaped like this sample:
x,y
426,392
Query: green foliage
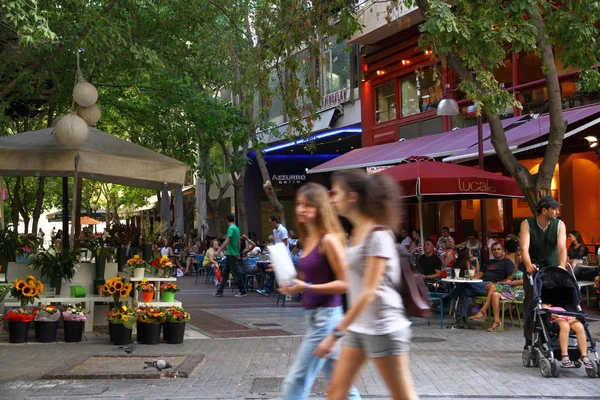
x,y
10,242
484,33
53,264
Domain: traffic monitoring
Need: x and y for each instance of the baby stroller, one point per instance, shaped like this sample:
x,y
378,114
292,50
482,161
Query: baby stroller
x,y
558,287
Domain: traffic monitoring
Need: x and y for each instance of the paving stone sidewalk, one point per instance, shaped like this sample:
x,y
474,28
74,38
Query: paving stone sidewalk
x,y
446,364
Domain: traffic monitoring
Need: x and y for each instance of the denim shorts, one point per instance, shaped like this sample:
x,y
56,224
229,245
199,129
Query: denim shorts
x,y
377,346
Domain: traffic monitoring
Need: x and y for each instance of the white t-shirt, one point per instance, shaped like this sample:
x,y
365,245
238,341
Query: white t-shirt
x,y
405,244
279,234
386,313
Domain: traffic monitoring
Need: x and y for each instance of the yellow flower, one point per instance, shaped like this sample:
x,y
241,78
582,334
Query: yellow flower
x,y
136,256
20,285
118,285
31,278
27,291
124,292
111,290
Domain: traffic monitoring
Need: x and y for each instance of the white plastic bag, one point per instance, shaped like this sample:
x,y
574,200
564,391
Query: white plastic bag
x,y
284,269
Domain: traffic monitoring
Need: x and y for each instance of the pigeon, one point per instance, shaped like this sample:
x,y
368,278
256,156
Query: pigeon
x,y
130,348
158,364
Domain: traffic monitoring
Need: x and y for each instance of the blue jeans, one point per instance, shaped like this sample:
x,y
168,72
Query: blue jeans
x,y
463,291
303,372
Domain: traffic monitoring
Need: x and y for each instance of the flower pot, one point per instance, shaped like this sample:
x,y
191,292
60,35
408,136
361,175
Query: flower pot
x,y
98,283
167,296
56,283
74,331
174,332
78,291
17,331
147,252
147,296
100,266
138,272
148,333
120,335
165,331
121,258
45,332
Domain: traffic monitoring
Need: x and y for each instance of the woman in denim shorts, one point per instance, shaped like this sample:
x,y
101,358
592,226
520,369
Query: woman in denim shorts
x,y
374,327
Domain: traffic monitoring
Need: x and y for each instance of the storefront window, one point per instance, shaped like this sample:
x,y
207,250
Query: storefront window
x,y
336,66
386,102
421,91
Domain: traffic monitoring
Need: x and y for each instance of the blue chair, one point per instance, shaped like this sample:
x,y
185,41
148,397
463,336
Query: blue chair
x,y
435,296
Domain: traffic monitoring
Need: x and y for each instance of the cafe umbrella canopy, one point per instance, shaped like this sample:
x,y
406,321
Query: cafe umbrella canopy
x,y
102,157
427,181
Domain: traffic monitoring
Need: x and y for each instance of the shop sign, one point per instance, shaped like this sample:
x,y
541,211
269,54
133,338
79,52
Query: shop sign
x,y
288,179
379,168
332,99
476,186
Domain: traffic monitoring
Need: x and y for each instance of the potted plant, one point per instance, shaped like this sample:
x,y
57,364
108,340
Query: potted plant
x,y
163,265
10,246
120,324
148,232
56,265
45,322
74,317
27,290
18,324
147,290
174,328
168,290
148,324
96,243
121,236
137,265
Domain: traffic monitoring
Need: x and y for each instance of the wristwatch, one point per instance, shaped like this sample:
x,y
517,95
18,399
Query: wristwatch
x,y
338,333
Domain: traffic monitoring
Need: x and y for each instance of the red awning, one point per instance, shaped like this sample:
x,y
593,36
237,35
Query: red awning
x,y
437,181
530,131
438,145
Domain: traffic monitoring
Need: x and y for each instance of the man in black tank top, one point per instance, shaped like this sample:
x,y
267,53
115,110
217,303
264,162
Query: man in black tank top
x,y
543,241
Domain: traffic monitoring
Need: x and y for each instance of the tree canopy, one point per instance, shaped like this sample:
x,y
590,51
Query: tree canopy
x,y
475,37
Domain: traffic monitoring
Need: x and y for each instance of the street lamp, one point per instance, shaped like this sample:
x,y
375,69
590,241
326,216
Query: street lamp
x,y
449,106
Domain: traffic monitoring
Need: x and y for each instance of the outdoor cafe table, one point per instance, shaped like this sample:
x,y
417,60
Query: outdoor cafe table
x,y
459,281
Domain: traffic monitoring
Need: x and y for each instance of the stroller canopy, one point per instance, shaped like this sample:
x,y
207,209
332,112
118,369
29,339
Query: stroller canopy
x,y
556,286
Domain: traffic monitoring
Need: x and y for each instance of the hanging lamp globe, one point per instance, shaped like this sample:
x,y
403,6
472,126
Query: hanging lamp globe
x,y
90,115
85,94
71,130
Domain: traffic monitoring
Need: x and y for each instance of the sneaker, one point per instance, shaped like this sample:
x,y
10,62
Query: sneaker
x,y
217,294
262,292
240,295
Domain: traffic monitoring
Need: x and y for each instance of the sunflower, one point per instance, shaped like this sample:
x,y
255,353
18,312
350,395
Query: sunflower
x,y
124,292
111,290
27,291
40,287
31,278
35,291
118,285
20,285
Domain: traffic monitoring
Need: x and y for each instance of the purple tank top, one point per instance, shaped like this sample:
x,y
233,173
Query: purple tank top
x,y
316,270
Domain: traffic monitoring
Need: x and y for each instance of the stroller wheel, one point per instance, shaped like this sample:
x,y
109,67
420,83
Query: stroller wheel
x,y
592,372
577,363
546,367
555,368
535,358
526,358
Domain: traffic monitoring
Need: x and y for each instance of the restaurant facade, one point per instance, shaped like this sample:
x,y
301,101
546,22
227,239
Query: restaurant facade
x,y
400,88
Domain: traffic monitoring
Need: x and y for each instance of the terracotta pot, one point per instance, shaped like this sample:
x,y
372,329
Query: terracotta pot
x,y
147,297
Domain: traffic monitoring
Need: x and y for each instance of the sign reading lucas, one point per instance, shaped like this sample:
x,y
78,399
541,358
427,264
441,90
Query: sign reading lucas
x,y
288,179
476,186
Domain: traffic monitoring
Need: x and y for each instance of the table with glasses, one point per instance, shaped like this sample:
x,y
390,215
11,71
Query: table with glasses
x,y
460,281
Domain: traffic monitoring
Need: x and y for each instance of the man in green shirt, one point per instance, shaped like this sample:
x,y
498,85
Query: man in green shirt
x,y
543,241
232,257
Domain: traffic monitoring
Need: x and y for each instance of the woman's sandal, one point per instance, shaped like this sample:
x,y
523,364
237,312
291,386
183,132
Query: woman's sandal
x,y
586,362
494,326
477,316
567,363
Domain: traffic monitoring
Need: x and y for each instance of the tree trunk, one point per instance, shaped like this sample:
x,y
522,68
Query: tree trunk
x,y
268,185
16,203
39,202
238,184
213,206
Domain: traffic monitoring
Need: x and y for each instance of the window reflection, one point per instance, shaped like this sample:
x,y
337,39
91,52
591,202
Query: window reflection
x,y
336,66
386,102
421,91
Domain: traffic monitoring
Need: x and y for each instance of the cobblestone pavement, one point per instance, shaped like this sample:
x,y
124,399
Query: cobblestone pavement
x,y
446,364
